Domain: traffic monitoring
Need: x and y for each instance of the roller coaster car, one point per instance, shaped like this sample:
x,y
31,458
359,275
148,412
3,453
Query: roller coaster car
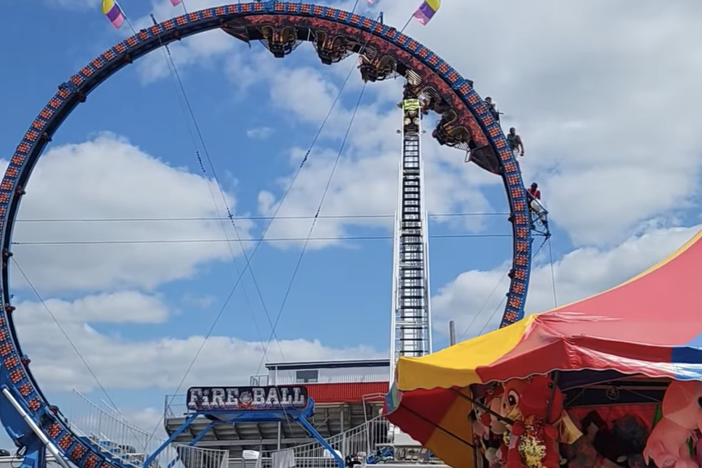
x,y
377,69
449,134
279,41
332,50
428,99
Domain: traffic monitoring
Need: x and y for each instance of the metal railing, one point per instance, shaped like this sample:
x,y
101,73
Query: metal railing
x,y
327,463
326,379
360,439
109,430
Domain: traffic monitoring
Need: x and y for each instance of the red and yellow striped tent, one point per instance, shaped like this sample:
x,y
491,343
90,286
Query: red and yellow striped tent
x,y
650,325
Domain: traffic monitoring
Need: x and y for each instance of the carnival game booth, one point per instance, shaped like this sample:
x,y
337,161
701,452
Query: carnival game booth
x,y
606,382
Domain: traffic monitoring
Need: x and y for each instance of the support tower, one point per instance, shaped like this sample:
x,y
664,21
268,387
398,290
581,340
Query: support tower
x,y
411,313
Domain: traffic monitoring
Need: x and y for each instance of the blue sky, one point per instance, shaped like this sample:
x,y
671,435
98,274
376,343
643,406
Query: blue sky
x,y
138,313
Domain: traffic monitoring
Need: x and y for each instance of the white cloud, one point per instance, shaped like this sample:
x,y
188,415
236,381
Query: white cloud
x,y
579,274
202,49
607,120
150,363
118,307
365,180
75,4
361,185
108,178
591,118
259,133
200,302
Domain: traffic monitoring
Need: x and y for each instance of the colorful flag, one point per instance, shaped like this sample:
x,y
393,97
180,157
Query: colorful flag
x,y
426,11
176,2
113,13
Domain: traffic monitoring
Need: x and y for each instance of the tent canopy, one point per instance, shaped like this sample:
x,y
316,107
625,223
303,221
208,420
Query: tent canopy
x,y
649,325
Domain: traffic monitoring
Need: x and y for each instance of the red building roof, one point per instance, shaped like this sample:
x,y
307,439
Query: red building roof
x,y
347,392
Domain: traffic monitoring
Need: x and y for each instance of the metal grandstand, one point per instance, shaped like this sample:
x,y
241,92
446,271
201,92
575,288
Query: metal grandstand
x,y
330,420
254,447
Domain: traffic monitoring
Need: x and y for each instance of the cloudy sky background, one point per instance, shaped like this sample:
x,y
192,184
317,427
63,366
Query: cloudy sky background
x,y
605,96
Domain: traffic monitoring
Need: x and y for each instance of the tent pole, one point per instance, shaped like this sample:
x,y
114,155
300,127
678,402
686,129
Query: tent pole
x,y
554,376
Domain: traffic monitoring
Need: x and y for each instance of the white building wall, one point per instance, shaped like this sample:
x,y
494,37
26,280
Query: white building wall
x,y
342,375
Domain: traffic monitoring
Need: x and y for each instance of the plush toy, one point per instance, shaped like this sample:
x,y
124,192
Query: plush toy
x,y
492,456
534,440
481,431
498,429
493,400
495,450
667,445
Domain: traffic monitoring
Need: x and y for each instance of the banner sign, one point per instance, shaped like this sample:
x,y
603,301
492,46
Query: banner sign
x,y
246,398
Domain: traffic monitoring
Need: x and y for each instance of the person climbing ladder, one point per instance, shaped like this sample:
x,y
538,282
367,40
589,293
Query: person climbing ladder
x,y
515,142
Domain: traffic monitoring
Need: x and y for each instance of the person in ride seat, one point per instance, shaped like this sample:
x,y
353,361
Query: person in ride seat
x,y
515,142
535,207
492,107
425,102
408,91
365,65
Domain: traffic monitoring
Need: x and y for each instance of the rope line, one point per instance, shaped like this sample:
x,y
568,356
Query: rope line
x,y
247,218
255,249
63,331
499,282
185,105
553,274
253,239
314,221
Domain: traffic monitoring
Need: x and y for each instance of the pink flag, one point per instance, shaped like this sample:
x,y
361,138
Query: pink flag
x,y
176,2
113,13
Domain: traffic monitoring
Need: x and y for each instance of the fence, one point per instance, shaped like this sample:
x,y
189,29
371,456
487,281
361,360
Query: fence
x,y
362,440
107,428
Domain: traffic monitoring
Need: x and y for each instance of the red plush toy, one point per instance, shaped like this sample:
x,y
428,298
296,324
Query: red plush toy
x,y
534,437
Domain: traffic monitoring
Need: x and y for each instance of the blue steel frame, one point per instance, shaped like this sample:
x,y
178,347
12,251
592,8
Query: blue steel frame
x,y
14,371
278,415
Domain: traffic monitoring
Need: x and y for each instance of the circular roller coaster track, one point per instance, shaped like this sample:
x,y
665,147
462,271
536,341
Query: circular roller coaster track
x,y
385,52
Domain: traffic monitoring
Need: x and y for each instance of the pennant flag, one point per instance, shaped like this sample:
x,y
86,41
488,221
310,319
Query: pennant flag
x,y
426,11
113,13
176,2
